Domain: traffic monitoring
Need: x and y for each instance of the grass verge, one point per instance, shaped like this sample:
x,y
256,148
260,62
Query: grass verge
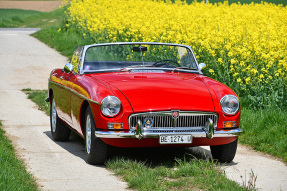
x,y
38,96
183,173
10,18
63,41
13,175
265,131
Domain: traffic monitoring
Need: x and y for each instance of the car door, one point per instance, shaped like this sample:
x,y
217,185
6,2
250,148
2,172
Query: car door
x,y
77,90
65,90
62,95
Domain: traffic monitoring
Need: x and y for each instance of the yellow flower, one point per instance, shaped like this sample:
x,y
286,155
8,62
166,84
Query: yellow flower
x,y
233,61
247,80
252,36
234,75
220,60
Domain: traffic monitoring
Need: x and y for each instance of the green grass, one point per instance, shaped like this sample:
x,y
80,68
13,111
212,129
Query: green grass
x,y
10,18
13,175
14,17
265,131
63,41
168,173
38,96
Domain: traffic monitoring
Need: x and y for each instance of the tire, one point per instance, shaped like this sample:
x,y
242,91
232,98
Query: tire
x,y
60,132
96,149
224,153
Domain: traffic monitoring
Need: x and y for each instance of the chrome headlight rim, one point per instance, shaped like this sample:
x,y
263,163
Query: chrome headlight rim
x,y
107,100
226,97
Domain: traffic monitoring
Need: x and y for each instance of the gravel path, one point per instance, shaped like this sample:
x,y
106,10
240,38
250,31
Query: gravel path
x,y
26,63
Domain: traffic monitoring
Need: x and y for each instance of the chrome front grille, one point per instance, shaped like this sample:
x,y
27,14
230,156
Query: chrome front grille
x,y
186,121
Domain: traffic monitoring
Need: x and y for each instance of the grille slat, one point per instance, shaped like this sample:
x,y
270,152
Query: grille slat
x,y
166,120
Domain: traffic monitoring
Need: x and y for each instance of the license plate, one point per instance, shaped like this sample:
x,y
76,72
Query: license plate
x,y
175,139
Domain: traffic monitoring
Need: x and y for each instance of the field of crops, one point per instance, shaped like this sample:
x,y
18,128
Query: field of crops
x,y
244,46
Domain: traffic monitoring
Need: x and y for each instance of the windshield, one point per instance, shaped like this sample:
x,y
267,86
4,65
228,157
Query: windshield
x,y
126,56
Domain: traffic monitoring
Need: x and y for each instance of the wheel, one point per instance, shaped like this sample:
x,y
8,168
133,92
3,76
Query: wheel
x,y
224,153
60,132
96,149
164,62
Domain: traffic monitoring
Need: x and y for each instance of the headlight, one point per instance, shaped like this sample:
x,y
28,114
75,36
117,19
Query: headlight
x,y
229,104
110,106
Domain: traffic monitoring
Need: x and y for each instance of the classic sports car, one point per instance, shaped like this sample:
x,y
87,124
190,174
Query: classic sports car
x,y
141,94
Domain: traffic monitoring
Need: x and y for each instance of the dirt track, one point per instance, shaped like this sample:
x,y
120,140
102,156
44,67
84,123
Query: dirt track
x,y
44,6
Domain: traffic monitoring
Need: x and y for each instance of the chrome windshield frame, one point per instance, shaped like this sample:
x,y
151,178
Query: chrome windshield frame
x,y
136,43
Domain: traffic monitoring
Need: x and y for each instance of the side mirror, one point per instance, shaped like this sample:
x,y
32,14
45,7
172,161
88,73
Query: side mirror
x,y
68,68
201,66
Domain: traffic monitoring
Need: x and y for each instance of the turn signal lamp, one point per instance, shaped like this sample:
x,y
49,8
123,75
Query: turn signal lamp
x,y
115,126
229,124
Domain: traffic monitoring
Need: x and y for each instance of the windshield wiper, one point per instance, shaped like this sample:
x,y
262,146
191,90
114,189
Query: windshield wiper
x,y
135,66
183,68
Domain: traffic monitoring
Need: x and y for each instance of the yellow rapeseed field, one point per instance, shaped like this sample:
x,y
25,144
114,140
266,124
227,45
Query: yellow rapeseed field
x,y
244,46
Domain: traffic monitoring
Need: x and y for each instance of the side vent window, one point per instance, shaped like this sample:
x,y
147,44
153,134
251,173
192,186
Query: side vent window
x,y
76,58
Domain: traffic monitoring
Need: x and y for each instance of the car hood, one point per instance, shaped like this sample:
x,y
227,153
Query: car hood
x,y
161,91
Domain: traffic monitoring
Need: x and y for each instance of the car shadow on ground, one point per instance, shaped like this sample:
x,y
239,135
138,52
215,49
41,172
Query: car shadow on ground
x,y
75,145
159,155
154,155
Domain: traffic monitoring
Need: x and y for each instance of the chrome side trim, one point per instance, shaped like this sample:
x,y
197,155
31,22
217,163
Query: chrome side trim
x,y
131,134
75,92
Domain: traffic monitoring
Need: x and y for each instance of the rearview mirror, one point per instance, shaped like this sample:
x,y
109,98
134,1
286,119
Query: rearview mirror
x,y
140,49
68,68
201,66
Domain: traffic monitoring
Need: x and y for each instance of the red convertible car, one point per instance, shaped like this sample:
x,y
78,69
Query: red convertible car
x,y
141,94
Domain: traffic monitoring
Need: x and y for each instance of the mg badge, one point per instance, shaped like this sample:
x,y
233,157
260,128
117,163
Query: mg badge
x,y
175,114
148,122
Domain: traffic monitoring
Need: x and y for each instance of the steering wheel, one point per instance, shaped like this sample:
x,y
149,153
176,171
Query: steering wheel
x,y
163,62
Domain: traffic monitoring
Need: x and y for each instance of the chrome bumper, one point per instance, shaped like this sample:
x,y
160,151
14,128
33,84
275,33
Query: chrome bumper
x,y
140,133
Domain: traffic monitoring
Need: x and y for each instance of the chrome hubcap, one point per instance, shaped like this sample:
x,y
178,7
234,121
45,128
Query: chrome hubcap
x,y
88,134
54,116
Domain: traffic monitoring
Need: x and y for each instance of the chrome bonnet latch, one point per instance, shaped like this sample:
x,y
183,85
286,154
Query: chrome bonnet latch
x,y
138,131
209,128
